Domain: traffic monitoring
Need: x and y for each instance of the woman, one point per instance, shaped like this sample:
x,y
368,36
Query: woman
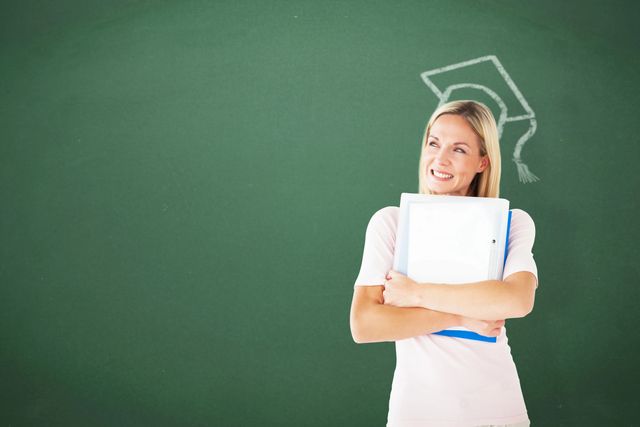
x,y
444,381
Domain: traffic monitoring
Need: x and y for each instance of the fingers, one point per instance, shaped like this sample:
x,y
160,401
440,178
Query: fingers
x,y
389,277
387,295
392,274
497,327
490,328
494,323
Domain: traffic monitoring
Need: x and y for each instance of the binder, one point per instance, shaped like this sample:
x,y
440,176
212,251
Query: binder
x,y
452,240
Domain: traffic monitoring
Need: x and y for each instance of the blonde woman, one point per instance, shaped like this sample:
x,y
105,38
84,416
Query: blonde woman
x,y
439,380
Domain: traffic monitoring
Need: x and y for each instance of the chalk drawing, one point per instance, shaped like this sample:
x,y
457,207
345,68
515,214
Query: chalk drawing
x,y
524,174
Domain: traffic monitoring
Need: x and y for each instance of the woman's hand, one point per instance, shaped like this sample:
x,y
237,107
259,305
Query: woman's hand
x,y
401,291
488,328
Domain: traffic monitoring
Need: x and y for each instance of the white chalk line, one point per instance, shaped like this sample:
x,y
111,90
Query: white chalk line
x,y
524,174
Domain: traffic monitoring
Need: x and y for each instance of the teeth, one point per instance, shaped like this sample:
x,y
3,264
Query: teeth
x,y
442,175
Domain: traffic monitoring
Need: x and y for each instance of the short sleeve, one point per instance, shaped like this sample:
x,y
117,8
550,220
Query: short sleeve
x,y
521,238
379,244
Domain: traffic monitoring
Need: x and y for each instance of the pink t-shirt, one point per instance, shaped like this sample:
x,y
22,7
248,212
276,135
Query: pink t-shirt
x,y
445,381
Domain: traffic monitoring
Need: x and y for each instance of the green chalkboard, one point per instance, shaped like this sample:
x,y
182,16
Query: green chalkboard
x,y
185,187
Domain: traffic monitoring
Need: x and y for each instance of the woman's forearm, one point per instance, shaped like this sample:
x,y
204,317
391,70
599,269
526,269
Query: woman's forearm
x,y
386,323
490,299
373,321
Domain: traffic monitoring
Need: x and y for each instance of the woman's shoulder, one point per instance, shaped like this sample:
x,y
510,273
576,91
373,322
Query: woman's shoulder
x,y
521,221
385,219
521,216
387,213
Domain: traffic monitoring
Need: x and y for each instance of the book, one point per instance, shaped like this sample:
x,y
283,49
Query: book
x,y
452,240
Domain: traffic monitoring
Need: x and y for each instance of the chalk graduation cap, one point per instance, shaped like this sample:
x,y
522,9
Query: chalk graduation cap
x,y
506,94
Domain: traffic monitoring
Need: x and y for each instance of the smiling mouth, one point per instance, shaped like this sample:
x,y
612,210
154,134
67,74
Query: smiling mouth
x,y
441,175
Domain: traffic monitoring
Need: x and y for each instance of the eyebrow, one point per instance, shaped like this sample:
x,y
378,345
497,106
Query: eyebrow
x,y
461,143
455,143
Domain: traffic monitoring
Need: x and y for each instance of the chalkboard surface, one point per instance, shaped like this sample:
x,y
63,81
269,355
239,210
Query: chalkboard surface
x,y
185,187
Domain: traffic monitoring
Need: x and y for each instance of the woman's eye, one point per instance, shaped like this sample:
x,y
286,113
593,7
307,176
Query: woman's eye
x,y
460,150
432,144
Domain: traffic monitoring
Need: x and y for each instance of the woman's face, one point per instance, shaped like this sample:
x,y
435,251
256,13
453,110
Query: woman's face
x,y
452,156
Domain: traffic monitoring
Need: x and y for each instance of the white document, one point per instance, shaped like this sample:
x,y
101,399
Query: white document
x,y
452,240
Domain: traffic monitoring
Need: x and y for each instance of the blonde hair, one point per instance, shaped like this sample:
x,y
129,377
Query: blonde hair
x,y
480,118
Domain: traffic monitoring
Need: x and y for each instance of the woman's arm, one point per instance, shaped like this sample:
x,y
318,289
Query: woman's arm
x,y
373,321
490,299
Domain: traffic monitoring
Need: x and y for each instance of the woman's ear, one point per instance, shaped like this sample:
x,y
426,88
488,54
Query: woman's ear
x,y
484,163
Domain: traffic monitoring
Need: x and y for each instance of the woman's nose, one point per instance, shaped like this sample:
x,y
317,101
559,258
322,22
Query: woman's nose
x,y
442,157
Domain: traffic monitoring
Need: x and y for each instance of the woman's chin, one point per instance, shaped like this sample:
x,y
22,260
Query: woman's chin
x,y
443,189
437,187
